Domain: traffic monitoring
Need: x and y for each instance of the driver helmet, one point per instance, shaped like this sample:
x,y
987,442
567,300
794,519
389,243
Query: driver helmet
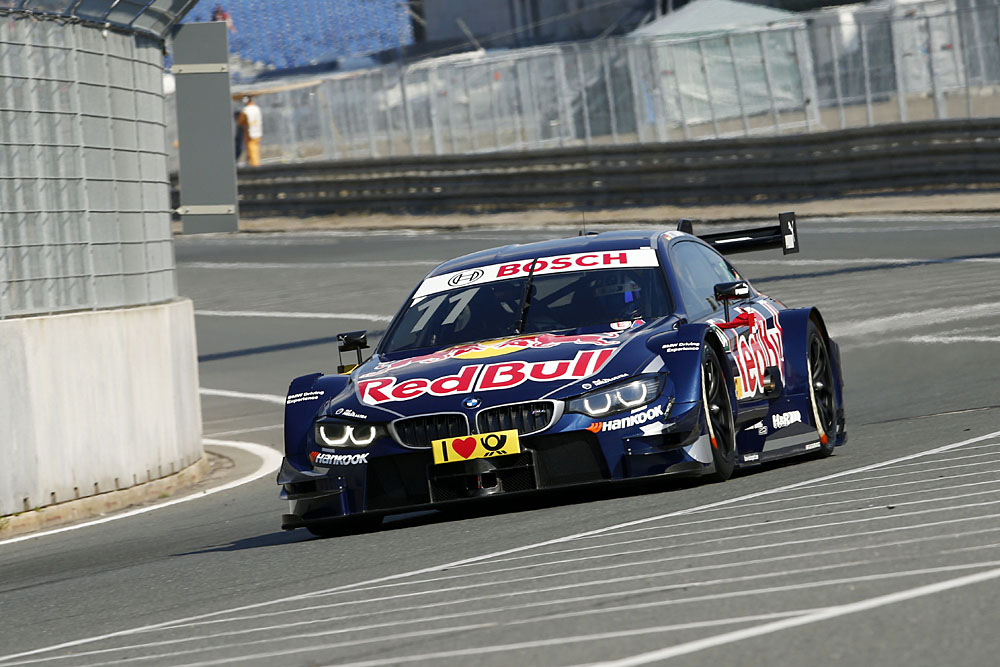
x,y
618,297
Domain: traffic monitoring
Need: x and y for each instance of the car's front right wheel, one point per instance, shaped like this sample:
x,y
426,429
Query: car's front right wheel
x,y
718,416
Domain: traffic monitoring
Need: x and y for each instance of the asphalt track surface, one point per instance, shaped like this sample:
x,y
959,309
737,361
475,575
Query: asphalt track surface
x,y
888,553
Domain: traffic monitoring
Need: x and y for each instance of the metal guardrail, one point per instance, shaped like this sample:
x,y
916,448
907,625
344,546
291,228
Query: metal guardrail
x,y
948,156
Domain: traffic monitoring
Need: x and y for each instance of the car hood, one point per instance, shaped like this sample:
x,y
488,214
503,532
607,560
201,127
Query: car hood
x,y
500,371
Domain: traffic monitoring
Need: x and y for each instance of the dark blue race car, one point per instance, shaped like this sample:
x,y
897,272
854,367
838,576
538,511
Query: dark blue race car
x,y
573,361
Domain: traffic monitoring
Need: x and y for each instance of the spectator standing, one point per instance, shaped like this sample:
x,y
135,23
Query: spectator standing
x,y
252,123
220,14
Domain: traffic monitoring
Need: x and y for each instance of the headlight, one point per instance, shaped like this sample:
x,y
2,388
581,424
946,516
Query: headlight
x,y
619,398
331,434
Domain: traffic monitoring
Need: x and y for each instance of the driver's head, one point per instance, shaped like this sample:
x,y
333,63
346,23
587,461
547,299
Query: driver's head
x,y
618,296
508,292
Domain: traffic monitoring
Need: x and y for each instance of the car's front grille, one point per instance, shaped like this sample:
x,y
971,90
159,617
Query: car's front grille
x,y
421,431
527,418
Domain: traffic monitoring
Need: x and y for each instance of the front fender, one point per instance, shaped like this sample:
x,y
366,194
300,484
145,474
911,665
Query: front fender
x,y
681,351
306,396
794,329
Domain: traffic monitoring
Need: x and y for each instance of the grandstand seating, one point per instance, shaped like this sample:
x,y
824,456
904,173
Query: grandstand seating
x,y
297,33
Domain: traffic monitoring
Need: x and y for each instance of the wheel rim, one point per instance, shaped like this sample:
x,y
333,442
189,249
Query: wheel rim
x,y
717,408
821,386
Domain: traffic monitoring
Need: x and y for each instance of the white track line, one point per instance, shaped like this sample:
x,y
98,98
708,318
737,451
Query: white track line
x,y
806,619
910,320
505,552
225,393
355,616
248,430
594,547
620,566
285,315
952,339
556,641
134,647
270,461
865,261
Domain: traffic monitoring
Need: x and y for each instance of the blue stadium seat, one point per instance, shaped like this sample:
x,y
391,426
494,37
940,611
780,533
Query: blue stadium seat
x,y
296,33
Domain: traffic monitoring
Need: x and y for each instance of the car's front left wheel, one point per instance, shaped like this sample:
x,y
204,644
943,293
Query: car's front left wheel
x,y
822,392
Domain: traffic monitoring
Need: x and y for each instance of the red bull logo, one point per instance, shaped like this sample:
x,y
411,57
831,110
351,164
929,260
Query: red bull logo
x,y
496,348
484,377
757,349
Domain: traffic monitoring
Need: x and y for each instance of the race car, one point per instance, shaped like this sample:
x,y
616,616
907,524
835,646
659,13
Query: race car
x,y
602,357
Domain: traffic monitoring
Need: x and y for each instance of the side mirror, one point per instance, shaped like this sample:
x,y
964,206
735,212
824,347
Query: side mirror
x,y
351,340
735,291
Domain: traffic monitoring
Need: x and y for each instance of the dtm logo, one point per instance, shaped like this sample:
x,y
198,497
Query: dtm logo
x,y
785,419
465,278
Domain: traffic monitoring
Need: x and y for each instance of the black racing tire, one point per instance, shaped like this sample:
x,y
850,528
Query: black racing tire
x,y
345,526
718,416
822,391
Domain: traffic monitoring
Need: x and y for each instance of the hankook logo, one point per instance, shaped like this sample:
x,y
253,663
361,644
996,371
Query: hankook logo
x,y
465,278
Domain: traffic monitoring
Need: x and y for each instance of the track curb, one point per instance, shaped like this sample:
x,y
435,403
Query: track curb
x,y
53,516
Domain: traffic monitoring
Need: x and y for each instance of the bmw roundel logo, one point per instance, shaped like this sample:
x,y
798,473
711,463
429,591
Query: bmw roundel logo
x,y
471,402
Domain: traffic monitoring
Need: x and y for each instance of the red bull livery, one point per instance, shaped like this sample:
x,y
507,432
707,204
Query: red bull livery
x,y
569,362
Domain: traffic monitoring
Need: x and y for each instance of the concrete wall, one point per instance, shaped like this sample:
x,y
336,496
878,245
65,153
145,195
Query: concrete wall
x,y
96,401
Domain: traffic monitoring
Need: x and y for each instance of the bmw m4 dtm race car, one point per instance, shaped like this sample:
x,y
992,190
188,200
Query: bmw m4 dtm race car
x,y
602,357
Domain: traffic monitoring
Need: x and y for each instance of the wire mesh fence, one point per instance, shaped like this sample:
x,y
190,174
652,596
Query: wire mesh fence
x,y
844,67
84,190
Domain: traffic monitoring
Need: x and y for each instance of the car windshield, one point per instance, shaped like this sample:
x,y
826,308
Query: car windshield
x,y
555,302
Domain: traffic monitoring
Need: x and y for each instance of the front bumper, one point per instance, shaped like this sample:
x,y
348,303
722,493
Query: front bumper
x,y
408,480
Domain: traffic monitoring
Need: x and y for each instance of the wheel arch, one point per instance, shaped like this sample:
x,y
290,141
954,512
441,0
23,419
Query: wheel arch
x,y
705,335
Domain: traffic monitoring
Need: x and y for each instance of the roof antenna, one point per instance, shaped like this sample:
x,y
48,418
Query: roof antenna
x,y
583,215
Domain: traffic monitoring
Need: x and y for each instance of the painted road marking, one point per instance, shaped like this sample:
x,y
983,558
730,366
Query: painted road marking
x,y
806,619
352,587
908,320
245,430
270,461
293,315
868,261
792,619
225,393
769,512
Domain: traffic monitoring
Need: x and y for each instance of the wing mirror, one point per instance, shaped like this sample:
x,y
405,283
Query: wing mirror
x,y
351,340
735,291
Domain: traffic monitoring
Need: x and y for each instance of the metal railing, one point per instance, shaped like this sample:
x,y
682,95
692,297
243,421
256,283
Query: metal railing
x,y
155,17
834,69
84,196
953,156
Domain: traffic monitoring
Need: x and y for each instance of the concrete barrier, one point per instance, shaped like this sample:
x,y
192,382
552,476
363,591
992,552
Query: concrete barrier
x,y
96,401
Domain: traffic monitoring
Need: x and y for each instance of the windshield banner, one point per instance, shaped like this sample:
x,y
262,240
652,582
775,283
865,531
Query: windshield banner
x,y
583,261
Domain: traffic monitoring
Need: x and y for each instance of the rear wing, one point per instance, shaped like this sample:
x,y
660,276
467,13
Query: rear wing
x,y
784,235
